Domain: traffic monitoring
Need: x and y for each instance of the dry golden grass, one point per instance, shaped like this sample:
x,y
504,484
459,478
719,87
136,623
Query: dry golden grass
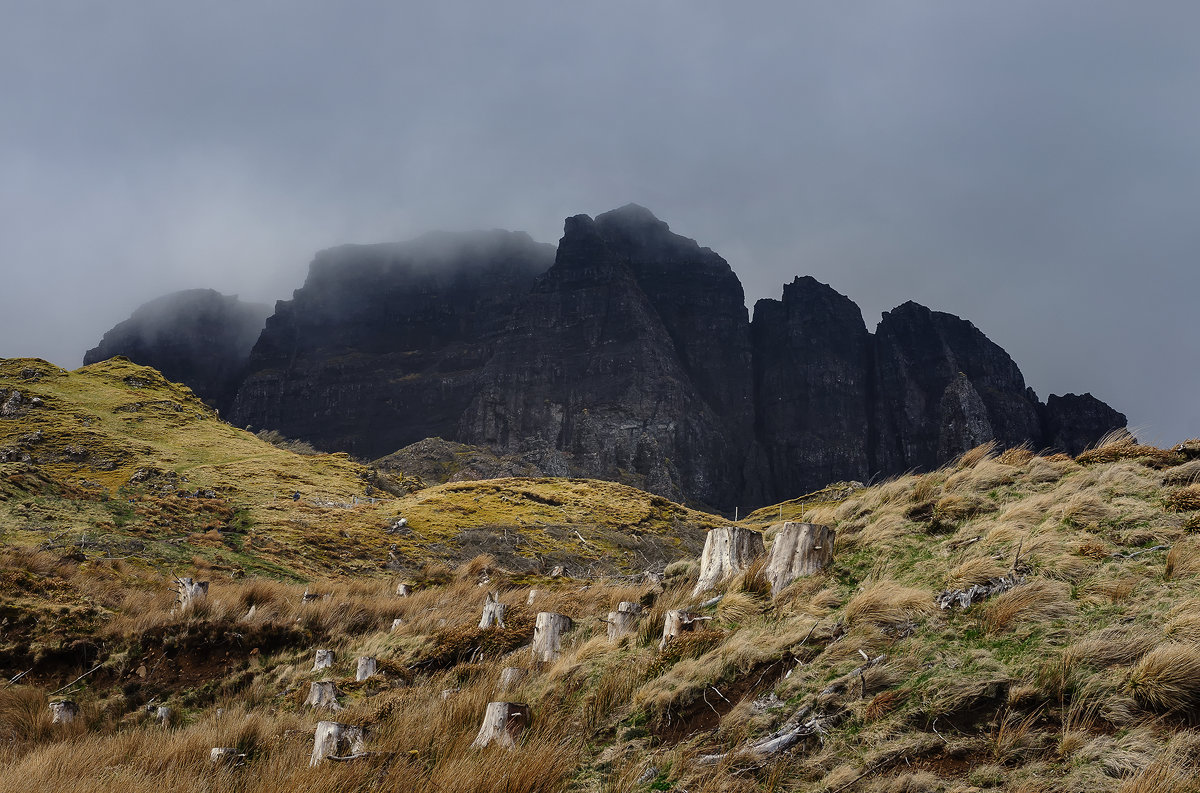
x,y
1181,475
1185,499
1167,678
1037,601
888,604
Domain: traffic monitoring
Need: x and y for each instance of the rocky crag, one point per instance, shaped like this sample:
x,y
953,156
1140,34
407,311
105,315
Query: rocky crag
x,y
198,336
629,355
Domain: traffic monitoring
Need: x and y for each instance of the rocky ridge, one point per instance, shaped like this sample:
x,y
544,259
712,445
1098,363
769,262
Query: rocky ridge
x,y
628,355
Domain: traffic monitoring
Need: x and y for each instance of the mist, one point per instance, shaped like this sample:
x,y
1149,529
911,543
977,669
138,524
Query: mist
x,y
1029,166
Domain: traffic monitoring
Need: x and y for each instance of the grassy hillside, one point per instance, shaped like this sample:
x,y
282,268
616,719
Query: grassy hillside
x,y
1084,675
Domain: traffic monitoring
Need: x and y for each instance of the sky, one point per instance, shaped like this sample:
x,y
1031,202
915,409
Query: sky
x,y
1033,167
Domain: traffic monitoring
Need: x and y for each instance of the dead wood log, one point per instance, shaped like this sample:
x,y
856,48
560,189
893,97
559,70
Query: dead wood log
x,y
964,598
798,727
323,660
503,723
547,635
510,678
493,612
677,622
336,739
225,755
191,592
728,550
623,620
800,549
532,596
367,667
323,694
63,712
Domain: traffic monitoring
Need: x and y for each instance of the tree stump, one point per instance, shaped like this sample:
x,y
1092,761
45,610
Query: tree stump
x,y
493,612
366,668
323,660
225,755
510,678
63,712
403,590
558,572
190,592
547,635
334,739
532,596
727,551
396,623
677,622
800,549
623,620
323,695
503,724
162,714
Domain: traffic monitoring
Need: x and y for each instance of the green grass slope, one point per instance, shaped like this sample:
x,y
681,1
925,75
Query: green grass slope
x,y
1085,675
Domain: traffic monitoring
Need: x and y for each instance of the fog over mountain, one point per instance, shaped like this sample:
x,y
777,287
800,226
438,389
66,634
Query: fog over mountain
x,y
1030,166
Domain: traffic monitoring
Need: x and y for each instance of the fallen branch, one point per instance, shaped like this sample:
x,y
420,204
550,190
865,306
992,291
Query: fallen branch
x,y
76,680
1131,554
965,598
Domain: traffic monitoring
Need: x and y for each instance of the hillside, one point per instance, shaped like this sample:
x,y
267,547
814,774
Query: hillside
x,y
1083,675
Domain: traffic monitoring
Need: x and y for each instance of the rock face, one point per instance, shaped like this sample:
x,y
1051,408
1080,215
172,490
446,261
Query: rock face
x,y
812,378
630,359
383,344
1074,422
626,354
941,387
199,337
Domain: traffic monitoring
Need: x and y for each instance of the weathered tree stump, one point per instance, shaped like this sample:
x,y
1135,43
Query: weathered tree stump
x,y
396,623
547,635
323,694
510,678
191,592
334,739
623,620
493,612
677,622
727,551
532,596
503,724
323,660
558,572
800,549
366,668
63,712
403,590
225,755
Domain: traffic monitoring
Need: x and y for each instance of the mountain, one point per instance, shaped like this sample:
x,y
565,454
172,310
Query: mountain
x,y
198,336
627,354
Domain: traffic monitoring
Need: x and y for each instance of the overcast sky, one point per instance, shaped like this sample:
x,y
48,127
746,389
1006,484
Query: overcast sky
x,y
1031,166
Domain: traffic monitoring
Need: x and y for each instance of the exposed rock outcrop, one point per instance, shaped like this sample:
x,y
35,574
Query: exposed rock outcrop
x,y
198,336
1073,422
942,387
383,344
630,359
626,355
812,375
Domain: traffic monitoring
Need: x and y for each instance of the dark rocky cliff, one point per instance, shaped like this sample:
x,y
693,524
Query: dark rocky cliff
x,y
942,387
812,377
198,336
382,345
630,359
626,355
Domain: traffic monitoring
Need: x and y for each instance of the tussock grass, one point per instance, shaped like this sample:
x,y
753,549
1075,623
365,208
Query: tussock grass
x,y
888,604
1185,499
1167,678
1037,601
